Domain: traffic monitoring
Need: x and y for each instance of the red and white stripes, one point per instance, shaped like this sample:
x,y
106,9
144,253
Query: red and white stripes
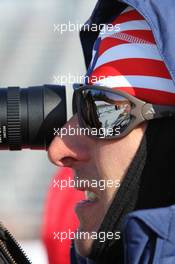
x,y
129,60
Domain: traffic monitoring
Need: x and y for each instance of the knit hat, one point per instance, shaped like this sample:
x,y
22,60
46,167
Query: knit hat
x,y
126,57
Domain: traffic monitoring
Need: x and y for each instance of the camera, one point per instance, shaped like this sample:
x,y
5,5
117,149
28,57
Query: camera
x,y
28,116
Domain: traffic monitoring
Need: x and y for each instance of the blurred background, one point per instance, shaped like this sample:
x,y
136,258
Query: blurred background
x,y
31,53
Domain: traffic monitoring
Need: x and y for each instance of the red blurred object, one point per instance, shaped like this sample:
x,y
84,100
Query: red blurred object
x,y
59,216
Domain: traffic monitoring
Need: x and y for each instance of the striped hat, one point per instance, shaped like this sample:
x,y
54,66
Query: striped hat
x,y
128,59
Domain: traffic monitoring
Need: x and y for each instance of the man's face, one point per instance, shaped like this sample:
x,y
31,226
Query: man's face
x,y
101,162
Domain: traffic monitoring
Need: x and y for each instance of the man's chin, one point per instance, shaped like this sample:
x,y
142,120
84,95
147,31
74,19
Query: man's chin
x,y
83,246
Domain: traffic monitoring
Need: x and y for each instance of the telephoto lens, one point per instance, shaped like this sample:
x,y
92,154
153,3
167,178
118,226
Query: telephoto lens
x,y
28,116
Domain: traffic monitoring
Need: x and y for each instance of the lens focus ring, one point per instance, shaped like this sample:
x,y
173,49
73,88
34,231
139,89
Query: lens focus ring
x,y
14,118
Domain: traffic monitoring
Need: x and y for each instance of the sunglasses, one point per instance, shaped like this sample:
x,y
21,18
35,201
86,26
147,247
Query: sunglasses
x,y
107,113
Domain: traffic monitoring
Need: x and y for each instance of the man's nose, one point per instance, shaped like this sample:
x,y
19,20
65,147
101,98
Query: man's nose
x,y
70,149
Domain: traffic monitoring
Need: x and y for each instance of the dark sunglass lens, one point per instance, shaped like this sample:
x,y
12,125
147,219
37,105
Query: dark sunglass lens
x,y
114,112
106,110
89,109
74,104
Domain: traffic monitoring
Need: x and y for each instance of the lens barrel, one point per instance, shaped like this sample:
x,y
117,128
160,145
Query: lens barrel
x,y
29,116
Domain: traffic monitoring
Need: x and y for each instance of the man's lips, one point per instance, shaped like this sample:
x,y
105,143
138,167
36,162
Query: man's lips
x,y
91,194
89,210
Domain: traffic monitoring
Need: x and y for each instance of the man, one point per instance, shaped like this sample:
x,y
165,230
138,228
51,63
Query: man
x,y
140,156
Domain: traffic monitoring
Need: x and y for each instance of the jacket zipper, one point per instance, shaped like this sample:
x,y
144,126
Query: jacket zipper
x,y
4,248
6,252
